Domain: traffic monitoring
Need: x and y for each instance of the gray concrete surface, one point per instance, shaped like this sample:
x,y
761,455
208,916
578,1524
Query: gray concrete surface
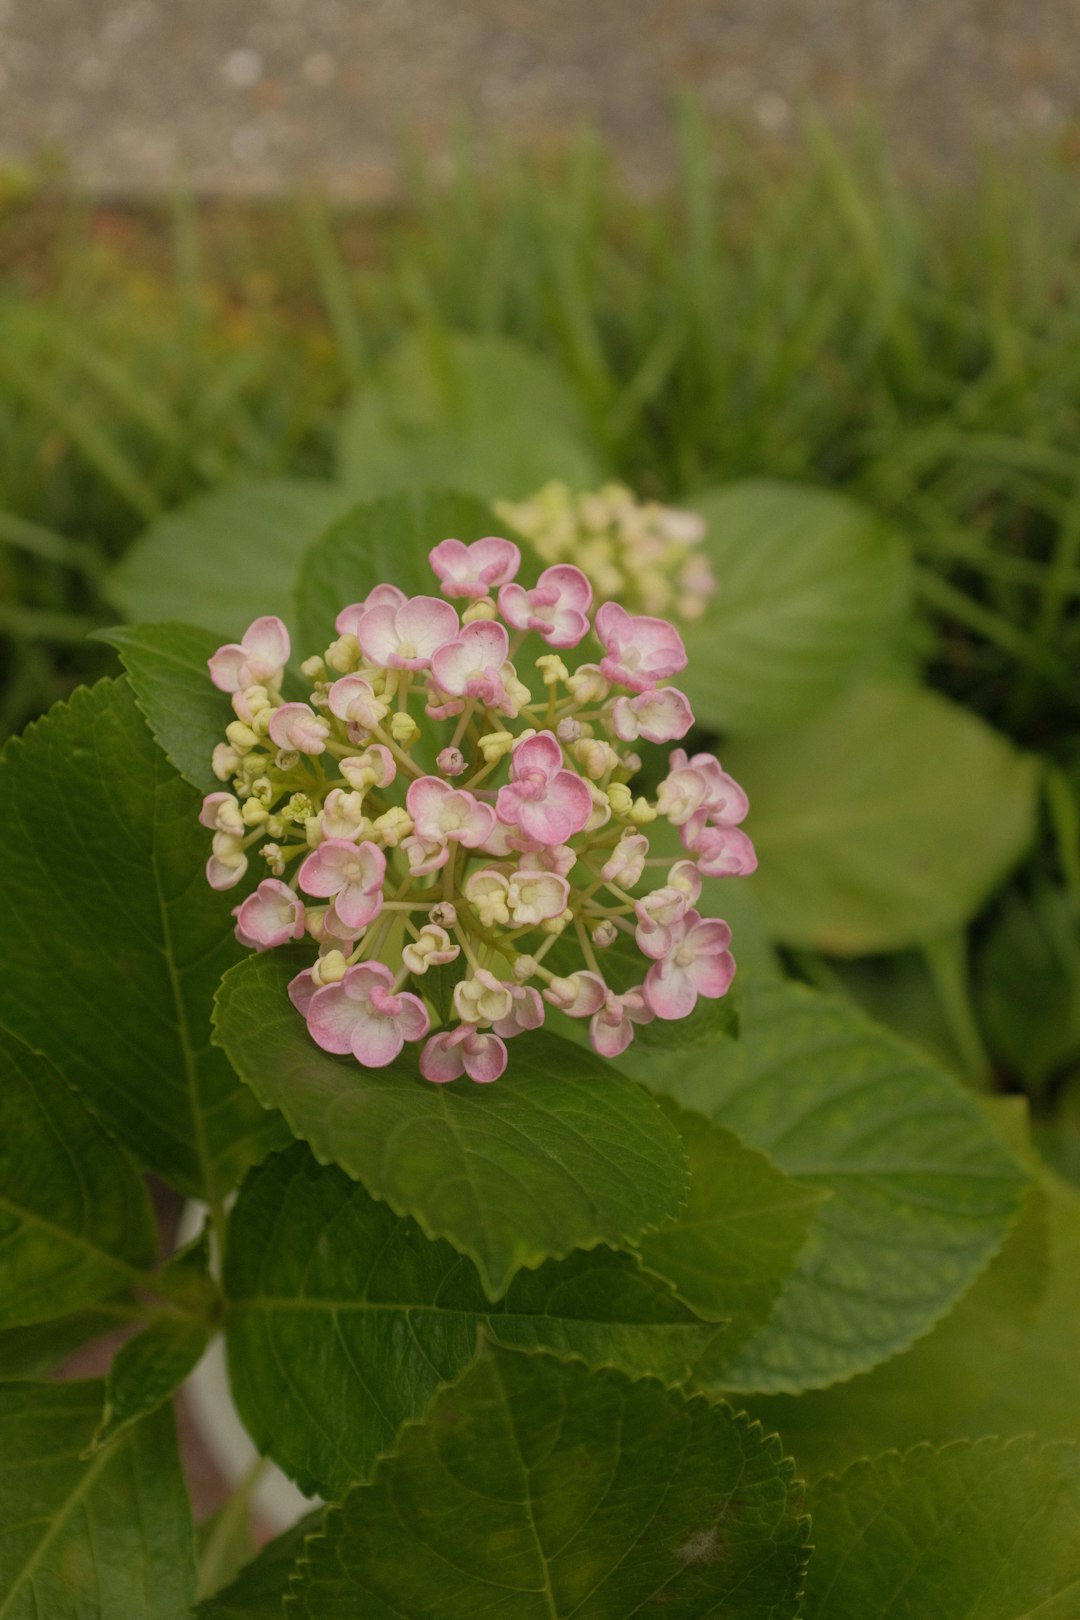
x,y
249,95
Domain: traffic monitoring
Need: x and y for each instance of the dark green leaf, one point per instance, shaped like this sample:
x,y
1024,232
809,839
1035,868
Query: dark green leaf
x,y
810,585
451,411
227,556
536,1489
320,1275
147,1370
34,1352
989,1531
923,1191
116,943
92,1540
730,1251
870,821
562,1153
75,1222
259,1590
166,668
1028,984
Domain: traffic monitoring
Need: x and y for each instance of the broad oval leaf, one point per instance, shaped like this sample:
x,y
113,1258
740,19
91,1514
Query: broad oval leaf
x,y
321,1276
923,1192
166,669
453,411
562,1153
226,556
809,585
147,1370
75,1221
886,820
100,1538
537,1490
989,1531
110,874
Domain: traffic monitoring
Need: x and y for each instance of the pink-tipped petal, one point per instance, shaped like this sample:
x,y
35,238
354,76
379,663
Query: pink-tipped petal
x,y
225,666
474,570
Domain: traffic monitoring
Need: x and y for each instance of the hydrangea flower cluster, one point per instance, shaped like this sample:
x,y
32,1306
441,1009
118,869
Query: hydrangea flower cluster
x,y
639,553
426,809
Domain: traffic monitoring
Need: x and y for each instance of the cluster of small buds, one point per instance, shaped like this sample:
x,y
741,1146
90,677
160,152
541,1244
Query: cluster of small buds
x,y
639,553
479,851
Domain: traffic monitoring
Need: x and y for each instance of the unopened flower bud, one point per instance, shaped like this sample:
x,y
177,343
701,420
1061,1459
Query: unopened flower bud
x,y
569,730
588,684
224,762
271,854
443,915
595,757
642,812
482,608
495,745
276,827
404,729
555,925
552,669
524,968
331,968
394,825
287,759
451,762
241,736
254,813
482,999
314,668
605,933
620,799
343,655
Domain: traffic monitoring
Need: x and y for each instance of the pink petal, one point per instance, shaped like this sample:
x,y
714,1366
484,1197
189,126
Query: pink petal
x,y
322,873
356,906
377,634
426,622
585,993
441,1059
301,990
225,666
376,1039
484,1056
669,990
267,640
330,1018
541,752
514,606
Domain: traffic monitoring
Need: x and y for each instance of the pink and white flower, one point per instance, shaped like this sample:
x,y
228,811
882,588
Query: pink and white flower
x,y
626,862
444,815
470,665
406,636
660,715
375,767
700,784
612,1027
348,620
464,1050
721,851
227,863
353,700
363,1014
483,999
271,916
557,606
296,726
477,569
639,651
351,875
546,802
526,1013
221,812
343,815
258,659
431,948
698,963
578,996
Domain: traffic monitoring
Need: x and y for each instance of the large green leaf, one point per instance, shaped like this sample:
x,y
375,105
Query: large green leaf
x,y
1028,984
989,1531
166,668
562,1153
147,1370
115,943
89,1540
809,585
923,1192
382,541
38,1350
537,1490
258,1591
320,1275
75,1222
730,1251
886,820
226,556
484,414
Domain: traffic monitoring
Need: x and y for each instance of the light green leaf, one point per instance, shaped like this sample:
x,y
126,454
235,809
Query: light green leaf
x,y
147,1369
562,1153
923,1191
227,556
382,541
872,821
537,1490
1028,984
810,585
450,411
75,1221
989,1531
94,1540
321,1275
258,1592
166,669
116,943
730,1251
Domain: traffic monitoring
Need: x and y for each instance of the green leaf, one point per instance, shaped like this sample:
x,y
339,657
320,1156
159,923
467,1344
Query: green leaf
x,y
730,1251
871,822
810,584
75,1222
146,1371
226,556
923,1191
166,669
377,542
38,1350
537,1490
562,1153
1028,984
259,1590
451,411
116,943
100,1539
321,1275
984,1531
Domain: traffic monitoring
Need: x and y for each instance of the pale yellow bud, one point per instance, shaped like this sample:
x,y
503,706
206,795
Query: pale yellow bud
x,y
276,827
524,968
241,736
225,762
588,684
552,669
482,608
495,745
642,812
620,799
254,813
595,756
314,668
404,729
555,925
394,825
330,969
343,655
